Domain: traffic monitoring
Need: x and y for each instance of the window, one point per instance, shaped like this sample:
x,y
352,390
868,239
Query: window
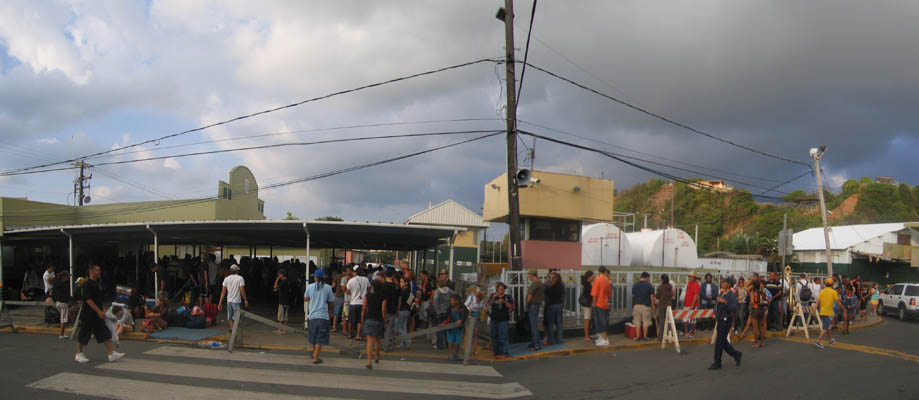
x,y
896,290
246,185
912,291
555,230
227,193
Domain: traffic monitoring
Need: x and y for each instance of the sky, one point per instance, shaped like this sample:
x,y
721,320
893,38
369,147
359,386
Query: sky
x,y
79,77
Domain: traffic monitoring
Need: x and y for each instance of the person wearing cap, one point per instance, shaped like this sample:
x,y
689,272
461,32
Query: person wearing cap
x,y
234,291
357,287
321,302
827,298
725,307
691,302
500,307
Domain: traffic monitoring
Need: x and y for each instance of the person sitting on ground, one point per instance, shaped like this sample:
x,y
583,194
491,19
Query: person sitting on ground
x,y
458,313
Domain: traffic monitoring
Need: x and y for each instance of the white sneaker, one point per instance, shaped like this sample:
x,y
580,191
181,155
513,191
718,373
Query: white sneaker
x,y
114,356
602,343
81,358
63,337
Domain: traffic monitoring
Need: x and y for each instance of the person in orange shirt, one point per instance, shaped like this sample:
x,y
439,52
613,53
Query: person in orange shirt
x,y
601,292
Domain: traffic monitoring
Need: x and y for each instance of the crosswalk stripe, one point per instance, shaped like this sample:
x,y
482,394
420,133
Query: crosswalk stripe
x,y
132,389
289,359
365,381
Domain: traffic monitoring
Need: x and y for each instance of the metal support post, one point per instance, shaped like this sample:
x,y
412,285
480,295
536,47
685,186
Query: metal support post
x,y
156,261
307,231
452,242
70,257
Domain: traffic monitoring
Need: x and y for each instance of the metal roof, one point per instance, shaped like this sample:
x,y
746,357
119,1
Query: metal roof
x,y
449,213
843,237
323,234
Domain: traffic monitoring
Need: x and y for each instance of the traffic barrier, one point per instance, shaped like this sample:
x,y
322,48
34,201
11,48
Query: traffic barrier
x,y
4,307
670,333
810,321
236,333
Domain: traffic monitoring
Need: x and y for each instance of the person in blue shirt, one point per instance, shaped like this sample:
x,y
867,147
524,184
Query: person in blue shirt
x,y
321,303
725,307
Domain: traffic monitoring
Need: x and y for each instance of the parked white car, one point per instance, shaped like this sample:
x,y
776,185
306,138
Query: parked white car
x,y
902,299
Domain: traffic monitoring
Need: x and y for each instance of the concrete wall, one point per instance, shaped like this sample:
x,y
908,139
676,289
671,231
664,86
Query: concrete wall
x,y
542,254
553,197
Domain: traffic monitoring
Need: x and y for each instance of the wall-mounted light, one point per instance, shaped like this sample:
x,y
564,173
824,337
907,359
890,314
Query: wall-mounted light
x,y
496,187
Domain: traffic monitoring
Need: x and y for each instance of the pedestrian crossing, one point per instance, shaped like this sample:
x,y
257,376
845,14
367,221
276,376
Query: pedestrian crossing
x,y
162,373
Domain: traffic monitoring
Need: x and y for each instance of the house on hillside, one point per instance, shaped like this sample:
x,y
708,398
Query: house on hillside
x,y
878,252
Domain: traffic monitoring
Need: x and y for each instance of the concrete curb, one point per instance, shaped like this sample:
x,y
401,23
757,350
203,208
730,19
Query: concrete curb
x,y
483,358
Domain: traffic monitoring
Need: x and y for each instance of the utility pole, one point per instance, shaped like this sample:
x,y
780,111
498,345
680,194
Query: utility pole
x,y
82,183
784,232
513,207
672,202
533,155
817,154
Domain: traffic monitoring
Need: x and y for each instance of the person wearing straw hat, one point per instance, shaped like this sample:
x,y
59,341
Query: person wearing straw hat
x,y
691,302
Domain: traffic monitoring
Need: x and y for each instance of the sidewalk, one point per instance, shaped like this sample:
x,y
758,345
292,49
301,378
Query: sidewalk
x,y
262,337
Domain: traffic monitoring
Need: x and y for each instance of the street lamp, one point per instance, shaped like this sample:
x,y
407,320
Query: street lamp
x,y
817,154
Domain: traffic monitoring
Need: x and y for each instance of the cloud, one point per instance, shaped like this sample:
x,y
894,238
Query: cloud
x,y
780,77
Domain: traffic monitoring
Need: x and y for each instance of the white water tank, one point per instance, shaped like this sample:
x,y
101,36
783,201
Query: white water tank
x,y
601,245
663,248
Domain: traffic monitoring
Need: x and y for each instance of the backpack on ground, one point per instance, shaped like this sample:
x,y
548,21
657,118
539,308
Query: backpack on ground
x,y
52,315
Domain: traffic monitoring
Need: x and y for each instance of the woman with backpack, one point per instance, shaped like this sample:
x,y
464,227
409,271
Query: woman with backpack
x,y
759,302
586,301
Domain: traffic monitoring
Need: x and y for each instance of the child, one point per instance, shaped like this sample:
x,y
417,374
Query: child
x,y
851,303
458,313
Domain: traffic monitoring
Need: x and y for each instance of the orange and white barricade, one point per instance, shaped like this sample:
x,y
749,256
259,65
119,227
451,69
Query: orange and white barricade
x,y
670,333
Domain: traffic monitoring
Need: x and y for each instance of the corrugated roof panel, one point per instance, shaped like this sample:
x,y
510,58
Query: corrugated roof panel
x,y
843,237
448,213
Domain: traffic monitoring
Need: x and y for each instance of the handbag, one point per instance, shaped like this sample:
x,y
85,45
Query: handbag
x,y
585,299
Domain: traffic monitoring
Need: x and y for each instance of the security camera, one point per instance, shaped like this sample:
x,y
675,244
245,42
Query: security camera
x,y
534,180
814,151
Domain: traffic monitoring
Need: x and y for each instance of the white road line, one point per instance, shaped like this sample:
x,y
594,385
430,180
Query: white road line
x,y
364,381
131,389
290,359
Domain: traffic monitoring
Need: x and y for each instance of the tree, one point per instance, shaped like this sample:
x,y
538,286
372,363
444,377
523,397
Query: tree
x,y
290,217
329,218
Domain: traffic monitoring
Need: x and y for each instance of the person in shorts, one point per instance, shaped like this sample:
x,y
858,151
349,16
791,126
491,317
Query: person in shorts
x,y
320,298
827,298
358,287
61,296
234,291
92,319
586,282
374,308
643,305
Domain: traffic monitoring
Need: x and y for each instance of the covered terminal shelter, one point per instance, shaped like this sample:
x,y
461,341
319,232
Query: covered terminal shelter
x,y
281,233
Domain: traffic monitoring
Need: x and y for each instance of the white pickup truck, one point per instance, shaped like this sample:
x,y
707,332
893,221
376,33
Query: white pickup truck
x,y
902,298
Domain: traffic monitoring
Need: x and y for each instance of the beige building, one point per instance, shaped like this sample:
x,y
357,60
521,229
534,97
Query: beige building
x,y
553,208
236,199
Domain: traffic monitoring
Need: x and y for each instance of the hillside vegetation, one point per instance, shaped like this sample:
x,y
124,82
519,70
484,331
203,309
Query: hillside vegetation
x,y
735,222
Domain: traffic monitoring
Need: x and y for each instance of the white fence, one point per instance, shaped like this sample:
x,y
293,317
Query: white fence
x,y
621,282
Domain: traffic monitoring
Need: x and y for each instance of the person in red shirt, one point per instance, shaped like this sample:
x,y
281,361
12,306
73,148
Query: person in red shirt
x,y
691,302
601,292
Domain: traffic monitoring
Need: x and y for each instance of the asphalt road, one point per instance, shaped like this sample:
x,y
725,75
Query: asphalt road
x,y
879,362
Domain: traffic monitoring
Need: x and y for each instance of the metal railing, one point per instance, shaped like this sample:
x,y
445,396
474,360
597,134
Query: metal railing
x,y
621,282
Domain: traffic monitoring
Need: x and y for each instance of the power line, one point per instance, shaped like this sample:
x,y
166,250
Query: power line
x,y
526,52
786,182
181,203
298,132
667,120
647,154
625,159
269,146
271,110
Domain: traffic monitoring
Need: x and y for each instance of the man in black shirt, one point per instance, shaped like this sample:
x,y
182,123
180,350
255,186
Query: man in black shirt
x,y
642,306
92,318
555,308
391,294
500,307
60,293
